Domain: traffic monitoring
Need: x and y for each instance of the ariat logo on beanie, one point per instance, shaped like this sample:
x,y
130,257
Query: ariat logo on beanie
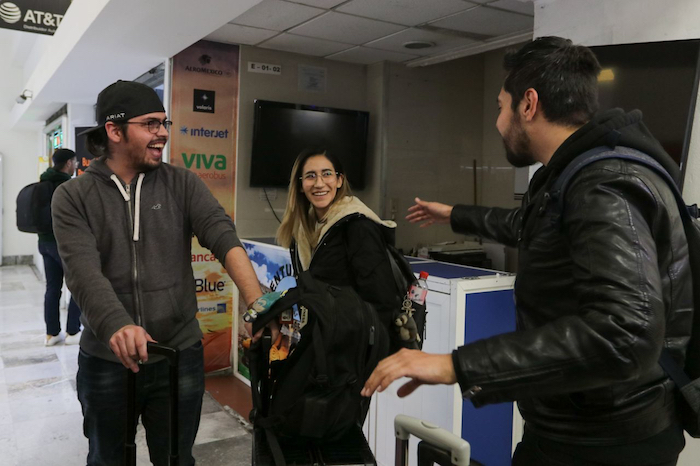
x,y
124,100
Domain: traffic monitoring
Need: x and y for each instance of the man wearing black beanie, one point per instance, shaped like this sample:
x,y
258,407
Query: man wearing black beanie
x,y
64,164
124,230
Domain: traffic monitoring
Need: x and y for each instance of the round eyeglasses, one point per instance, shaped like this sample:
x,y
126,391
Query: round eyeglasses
x,y
152,125
326,175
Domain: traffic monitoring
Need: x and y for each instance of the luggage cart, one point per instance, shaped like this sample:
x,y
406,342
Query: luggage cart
x,y
437,445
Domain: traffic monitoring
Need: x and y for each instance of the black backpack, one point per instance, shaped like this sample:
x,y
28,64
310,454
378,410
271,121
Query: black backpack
x,y
686,378
404,278
314,394
34,207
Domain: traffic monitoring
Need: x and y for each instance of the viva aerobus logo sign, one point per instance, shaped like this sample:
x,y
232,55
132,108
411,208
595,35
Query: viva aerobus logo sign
x,y
38,16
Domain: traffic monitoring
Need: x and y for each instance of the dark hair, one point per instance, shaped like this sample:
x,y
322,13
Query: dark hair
x,y
97,142
564,75
61,157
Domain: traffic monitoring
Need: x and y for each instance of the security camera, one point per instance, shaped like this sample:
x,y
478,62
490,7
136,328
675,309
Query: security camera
x,y
22,98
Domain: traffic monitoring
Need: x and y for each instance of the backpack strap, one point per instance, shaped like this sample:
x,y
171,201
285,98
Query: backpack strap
x,y
687,213
559,187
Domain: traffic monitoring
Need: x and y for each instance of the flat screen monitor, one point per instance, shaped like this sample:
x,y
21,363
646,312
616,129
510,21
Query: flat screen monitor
x,y
282,130
658,78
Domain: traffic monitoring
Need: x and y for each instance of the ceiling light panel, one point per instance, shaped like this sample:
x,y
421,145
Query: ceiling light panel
x,y
407,12
327,4
345,28
487,21
526,8
236,34
367,56
304,45
277,15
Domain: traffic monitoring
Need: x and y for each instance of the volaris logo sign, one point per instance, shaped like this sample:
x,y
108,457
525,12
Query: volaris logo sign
x,y
10,13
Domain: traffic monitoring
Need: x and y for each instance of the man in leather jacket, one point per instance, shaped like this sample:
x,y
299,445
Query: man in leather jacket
x,y
598,293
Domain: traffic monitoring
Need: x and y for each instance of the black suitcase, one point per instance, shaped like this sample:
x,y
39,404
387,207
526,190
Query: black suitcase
x,y
172,355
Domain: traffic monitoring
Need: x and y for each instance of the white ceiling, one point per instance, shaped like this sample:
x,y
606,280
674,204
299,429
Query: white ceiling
x,y
369,31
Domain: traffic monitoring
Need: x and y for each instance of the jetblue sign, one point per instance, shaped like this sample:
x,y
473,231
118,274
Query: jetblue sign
x,y
38,16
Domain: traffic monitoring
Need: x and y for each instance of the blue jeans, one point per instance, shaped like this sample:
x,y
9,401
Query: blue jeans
x,y
53,268
102,391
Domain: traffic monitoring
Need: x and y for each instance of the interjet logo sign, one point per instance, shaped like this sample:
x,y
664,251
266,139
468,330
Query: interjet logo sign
x,y
204,132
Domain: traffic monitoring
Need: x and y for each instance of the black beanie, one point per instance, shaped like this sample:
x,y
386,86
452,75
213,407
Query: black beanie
x,y
62,156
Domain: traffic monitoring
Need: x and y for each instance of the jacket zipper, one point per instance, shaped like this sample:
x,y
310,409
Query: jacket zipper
x,y
134,262
325,235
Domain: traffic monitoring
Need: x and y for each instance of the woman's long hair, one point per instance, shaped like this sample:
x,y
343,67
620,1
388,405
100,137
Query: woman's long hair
x,y
299,211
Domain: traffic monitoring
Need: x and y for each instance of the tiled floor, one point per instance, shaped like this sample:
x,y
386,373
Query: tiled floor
x,y
40,418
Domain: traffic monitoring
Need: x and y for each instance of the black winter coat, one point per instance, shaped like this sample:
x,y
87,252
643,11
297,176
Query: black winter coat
x,y
596,300
353,253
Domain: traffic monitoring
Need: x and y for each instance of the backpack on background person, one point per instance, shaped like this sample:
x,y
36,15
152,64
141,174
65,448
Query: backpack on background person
x,y
34,207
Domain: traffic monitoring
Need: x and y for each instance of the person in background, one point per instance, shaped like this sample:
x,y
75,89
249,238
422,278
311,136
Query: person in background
x,y
599,291
124,230
64,165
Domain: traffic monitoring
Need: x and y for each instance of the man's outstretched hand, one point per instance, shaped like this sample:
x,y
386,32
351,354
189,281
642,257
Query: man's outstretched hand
x,y
422,368
429,213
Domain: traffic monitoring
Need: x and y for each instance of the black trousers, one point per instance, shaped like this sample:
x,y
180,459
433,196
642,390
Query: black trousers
x,y
660,450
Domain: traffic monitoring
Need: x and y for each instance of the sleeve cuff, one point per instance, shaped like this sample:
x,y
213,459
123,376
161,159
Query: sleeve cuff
x,y
226,242
459,372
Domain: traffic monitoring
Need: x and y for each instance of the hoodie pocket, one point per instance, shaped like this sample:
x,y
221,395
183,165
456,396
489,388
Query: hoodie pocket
x,y
162,316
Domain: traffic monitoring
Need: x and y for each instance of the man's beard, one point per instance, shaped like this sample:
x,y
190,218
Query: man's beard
x,y
141,165
517,145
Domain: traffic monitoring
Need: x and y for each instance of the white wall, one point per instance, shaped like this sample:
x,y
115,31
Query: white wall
x,y
433,128
21,150
607,22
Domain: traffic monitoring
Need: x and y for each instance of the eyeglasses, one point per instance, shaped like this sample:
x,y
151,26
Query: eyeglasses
x,y
326,175
153,125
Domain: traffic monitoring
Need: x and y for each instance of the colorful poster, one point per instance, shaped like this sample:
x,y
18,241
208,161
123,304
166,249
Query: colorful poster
x,y
204,111
273,267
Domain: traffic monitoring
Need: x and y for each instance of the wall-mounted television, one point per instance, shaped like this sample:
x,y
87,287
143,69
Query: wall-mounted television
x,y
282,130
658,78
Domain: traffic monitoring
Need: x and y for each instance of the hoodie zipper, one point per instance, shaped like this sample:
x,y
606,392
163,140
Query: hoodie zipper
x,y
134,262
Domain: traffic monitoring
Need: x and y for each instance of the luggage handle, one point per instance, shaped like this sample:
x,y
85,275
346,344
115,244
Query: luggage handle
x,y
405,426
172,355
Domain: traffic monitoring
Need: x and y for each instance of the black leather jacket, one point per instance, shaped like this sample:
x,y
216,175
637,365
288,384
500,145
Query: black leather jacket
x,y
597,296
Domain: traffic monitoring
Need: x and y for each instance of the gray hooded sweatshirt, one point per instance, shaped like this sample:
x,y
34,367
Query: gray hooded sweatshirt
x,y
127,251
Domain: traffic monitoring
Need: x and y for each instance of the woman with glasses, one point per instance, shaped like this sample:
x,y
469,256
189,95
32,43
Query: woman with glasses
x,y
336,237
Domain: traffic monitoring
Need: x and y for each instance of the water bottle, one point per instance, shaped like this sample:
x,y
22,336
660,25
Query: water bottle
x,y
419,289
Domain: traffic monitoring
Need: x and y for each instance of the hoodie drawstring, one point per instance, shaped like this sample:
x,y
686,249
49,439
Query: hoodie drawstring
x,y
137,215
127,198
